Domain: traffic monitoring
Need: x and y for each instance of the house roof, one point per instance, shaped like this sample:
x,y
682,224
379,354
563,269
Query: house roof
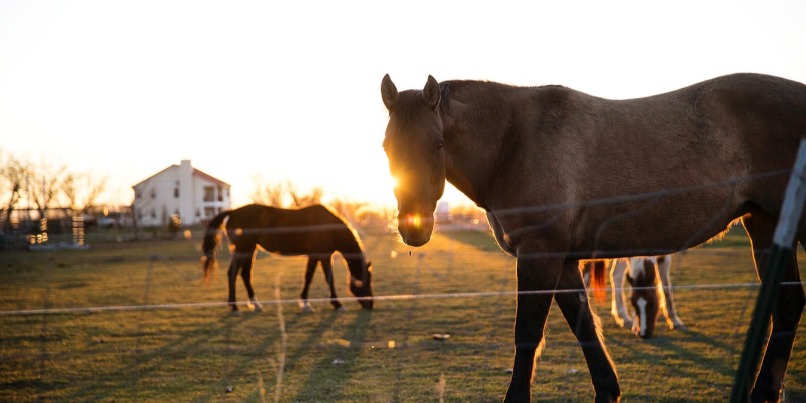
x,y
196,173
201,174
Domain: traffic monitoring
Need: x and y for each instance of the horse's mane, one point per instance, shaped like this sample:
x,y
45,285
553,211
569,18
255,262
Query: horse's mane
x,y
358,244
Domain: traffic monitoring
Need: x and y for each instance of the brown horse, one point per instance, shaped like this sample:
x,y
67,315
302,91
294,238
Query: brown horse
x,y
539,161
314,231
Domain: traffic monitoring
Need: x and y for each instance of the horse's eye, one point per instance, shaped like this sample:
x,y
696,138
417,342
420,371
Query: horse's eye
x,y
439,146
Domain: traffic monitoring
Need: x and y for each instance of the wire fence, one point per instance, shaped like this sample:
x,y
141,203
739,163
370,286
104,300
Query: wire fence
x,y
131,321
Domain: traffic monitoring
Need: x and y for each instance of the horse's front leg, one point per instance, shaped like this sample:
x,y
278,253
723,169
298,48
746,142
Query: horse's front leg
x,y
537,278
617,306
246,275
572,299
327,267
669,311
304,305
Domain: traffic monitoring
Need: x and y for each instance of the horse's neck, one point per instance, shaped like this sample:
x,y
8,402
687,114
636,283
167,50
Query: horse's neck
x,y
472,137
484,130
350,246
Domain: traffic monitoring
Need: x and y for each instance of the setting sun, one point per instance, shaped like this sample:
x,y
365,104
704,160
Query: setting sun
x,y
237,95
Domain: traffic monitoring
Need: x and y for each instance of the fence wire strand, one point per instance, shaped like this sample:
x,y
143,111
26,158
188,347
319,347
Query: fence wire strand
x,y
429,269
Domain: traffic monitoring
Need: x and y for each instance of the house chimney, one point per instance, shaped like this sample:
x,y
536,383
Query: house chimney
x,y
186,192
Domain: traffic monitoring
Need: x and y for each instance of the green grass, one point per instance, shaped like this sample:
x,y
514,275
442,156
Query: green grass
x,y
144,345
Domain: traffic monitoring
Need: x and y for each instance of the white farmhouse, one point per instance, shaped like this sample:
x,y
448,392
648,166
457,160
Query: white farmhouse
x,y
183,190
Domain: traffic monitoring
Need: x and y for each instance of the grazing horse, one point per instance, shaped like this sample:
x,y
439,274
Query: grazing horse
x,y
651,292
314,231
539,161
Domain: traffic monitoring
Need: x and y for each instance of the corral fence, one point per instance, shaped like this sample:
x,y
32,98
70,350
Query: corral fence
x,y
129,319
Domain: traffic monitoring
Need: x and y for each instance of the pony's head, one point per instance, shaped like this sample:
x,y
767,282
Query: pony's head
x,y
644,299
361,280
414,145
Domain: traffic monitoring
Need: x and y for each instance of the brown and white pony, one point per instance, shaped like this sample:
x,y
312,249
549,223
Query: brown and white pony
x,y
650,292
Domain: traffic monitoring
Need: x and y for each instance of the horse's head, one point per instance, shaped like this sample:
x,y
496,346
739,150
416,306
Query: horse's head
x,y
361,280
644,299
414,146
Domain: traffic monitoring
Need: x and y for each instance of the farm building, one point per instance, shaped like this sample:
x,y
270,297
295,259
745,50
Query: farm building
x,y
179,191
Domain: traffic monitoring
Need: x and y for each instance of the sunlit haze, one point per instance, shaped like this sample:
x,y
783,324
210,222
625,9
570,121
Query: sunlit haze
x,y
291,90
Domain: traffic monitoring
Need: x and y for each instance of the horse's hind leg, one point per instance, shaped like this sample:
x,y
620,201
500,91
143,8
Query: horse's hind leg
x,y
246,276
760,227
587,329
617,306
327,267
669,311
304,305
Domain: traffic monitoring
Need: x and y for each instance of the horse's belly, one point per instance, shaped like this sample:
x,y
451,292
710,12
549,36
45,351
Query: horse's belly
x,y
656,240
662,229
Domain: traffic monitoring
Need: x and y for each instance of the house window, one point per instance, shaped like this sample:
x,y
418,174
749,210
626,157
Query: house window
x,y
220,194
176,193
153,213
209,212
153,194
138,193
209,193
198,213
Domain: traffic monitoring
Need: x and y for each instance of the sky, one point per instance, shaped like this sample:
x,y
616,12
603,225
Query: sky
x,y
256,92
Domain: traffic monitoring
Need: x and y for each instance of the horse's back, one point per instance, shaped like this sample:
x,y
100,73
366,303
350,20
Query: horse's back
x,y
312,229
692,160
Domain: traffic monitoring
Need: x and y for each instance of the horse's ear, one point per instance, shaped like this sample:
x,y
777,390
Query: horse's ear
x,y
369,265
388,92
431,93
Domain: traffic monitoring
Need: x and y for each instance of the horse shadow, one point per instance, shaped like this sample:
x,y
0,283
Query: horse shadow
x,y
328,366
128,377
685,348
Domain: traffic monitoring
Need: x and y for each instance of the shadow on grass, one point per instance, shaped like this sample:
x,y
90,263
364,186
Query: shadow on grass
x,y
336,372
675,354
127,379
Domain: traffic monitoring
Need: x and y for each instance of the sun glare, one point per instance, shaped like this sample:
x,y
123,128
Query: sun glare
x,y
414,220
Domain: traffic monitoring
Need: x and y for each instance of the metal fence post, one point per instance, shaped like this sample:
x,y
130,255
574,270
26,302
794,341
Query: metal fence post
x,y
775,262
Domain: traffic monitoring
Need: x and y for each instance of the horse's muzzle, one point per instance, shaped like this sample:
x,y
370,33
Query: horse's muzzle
x,y
415,229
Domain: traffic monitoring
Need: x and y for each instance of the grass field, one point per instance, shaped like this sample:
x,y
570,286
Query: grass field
x,y
130,321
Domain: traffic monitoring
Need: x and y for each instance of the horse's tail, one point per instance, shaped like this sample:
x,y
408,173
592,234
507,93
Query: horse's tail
x,y
598,279
210,243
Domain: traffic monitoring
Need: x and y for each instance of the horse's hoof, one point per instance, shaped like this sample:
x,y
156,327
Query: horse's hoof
x,y
340,309
306,308
258,308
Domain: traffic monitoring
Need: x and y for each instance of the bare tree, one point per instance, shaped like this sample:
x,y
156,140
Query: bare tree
x,y
82,190
268,193
44,186
284,194
305,199
13,173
